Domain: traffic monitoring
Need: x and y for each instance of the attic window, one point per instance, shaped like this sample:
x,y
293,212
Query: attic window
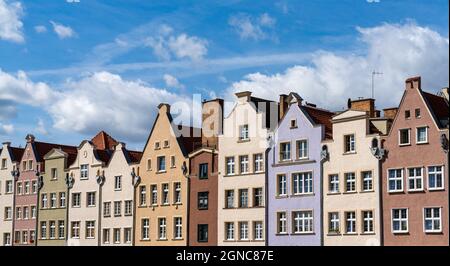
x,y
157,145
4,163
293,123
407,114
166,144
417,112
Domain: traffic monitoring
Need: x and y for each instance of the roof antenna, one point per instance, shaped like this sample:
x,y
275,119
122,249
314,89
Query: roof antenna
x,y
373,82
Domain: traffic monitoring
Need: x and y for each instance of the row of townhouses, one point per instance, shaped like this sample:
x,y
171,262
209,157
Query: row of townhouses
x,y
269,173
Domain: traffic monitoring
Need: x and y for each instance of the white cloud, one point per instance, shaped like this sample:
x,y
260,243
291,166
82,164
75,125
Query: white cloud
x,y
41,127
399,51
62,31
251,28
105,101
185,46
10,24
172,82
6,129
40,29
373,1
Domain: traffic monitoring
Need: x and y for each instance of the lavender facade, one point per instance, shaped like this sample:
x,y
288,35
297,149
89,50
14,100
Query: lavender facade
x,y
294,174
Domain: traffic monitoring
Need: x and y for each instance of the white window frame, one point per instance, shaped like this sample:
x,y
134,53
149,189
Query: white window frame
x,y
334,223
88,199
165,200
433,218
352,221
400,137
258,162
369,221
243,231
303,219
426,135
415,178
178,228
300,147
395,180
90,227
75,229
84,171
145,229
244,164
230,165
442,173
258,230
281,185
285,151
367,180
162,228
282,226
118,183
400,220
351,182
244,132
351,143
177,193
333,183
304,182
229,231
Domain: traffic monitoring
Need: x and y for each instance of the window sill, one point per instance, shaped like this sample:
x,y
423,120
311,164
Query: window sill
x,y
422,143
350,234
404,145
303,234
350,192
416,191
396,192
281,197
435,189
401,233
243,140
434,233
368,234
367,191
334,234
282,234
303,195
333,193
349,153
161,171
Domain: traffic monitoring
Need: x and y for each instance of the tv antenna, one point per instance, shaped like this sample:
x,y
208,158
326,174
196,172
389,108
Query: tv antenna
x,y
373,82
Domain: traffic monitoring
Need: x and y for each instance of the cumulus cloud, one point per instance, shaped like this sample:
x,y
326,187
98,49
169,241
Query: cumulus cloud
x,y
125,109
249,27
11,25
397,50
166,45
6,129
62,31
41,128
40,29
172,82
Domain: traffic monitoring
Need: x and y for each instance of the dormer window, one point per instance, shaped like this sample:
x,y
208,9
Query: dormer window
x,y
54,173
349,143
243,132
294,123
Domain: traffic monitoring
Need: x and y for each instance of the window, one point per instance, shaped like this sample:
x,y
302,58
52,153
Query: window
x,y
367,181
118,183
422,135
285,151
9,187
61,229
415,179
350,222
259,163
26,213
25,237
432,222
75,230
62,199
30,165
44,201
43,230
142,196
302,149
172,161
24,165
7,239
53,200
177,194
399,220
435,178
333,223
19,188
106,235
417,112
243,230
243,198
90,196
349,141
395,179
258,233
229,229
203,200
230,165
161,163
90,229
350,182
229,199
32,236
166,144
127,235
202,233
128,207
333,186
117,208
282,223
27,187
407,114
17,237
178,228
203,171
157,145
145,231
302,183
162,234
404,136
282,185
33,212
293,123
243,162
303,222
34,187
258,197
52,231
84,171
116,233
165,194
18,213
243,132
154,194
8,213
106,209
149,164
4,163
54,173
367,222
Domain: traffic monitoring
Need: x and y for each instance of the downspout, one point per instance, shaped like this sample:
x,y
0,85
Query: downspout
x,y
321,178
188,196
380,201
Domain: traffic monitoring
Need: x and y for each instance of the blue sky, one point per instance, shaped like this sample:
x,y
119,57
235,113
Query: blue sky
x,y
167,50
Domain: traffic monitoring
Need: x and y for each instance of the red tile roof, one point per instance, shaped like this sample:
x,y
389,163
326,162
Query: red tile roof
x,y
134,156
438,107
321,116
103,141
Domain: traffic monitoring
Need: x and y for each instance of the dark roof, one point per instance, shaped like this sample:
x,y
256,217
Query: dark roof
x,y
438,107
133,156
189,143
320,116
16,153
103,141
103,155
42,148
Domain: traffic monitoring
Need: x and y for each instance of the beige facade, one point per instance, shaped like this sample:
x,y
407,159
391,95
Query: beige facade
x,y
162,195
351,195
241,192
9,161
117,197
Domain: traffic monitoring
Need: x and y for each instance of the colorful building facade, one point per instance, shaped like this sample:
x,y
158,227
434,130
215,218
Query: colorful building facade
x,y
294,174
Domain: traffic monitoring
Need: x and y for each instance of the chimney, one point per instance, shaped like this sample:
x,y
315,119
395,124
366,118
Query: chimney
x,y
243,96
390,113
29,138
444,93
365,105
413,83
6,144
164,108
212,122
284,105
